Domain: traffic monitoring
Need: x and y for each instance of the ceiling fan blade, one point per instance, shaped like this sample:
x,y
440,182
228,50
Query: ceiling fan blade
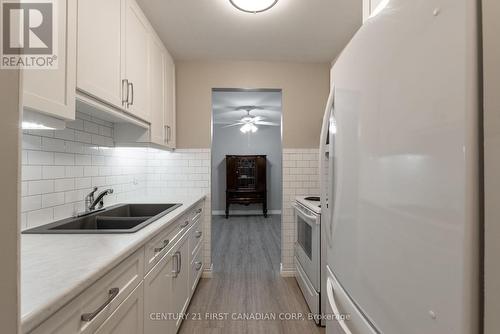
x,y
267,123
234,124
223,122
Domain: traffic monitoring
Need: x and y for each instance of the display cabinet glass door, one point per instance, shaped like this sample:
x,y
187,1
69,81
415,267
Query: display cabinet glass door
x,y
246,173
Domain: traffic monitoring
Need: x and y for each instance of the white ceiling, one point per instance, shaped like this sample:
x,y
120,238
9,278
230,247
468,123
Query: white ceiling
x,y
293,30
229,106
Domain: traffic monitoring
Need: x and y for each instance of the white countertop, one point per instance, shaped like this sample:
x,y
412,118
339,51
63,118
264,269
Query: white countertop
x,y
55,268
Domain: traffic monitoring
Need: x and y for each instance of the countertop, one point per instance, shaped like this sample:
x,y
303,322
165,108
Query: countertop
x,y
55,268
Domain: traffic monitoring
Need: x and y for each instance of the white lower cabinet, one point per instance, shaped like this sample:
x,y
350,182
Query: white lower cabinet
x,y
166,291
92,307
128,317
142,294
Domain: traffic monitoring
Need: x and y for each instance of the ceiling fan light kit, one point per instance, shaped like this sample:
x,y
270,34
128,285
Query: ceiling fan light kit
x,y
249,127
249,122
253,6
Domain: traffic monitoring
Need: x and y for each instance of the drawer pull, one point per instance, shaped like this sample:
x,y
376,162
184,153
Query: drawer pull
x,y
87,317
186,223
165,244
177,270
198,234
199,211
197,265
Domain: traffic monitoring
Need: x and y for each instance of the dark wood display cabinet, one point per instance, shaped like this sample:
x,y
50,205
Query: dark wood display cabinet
x,y
246,181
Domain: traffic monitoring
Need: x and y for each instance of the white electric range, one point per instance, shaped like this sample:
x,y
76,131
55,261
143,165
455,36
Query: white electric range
x,y
308,259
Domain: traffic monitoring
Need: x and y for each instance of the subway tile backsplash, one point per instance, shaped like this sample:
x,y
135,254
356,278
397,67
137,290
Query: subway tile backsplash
x,y
60,167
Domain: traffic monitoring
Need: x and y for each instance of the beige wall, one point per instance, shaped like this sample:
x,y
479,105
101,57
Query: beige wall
x,y
305,91
491,28
9,201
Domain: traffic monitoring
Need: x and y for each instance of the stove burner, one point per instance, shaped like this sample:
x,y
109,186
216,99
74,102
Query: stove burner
x,y
313,198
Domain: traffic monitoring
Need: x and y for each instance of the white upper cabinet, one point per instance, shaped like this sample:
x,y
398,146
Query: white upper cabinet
x,y
99,50
170,111
123,65
136,38
52,91
157,63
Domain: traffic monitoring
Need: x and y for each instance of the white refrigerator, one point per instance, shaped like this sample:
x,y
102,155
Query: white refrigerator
x,y
401,173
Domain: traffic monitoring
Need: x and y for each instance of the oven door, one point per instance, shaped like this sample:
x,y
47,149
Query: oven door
x,y
307,245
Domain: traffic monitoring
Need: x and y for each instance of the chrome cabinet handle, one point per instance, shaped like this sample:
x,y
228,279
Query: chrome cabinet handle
x,y
186,223
198,234
167,133
131,87
125,96
177,270
165,244
132,100
198,265
87,317
180,263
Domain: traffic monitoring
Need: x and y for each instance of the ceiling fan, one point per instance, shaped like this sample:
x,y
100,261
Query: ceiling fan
x,y
249,123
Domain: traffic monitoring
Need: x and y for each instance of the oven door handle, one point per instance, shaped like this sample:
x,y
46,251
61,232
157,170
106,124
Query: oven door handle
x,y
303,213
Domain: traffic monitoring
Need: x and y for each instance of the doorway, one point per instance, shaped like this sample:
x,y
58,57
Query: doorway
x,y
246,182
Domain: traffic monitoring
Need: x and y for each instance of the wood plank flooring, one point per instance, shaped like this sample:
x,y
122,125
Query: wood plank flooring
x,y
246,282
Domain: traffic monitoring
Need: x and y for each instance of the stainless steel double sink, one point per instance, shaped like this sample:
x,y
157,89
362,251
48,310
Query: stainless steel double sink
x,y
121,218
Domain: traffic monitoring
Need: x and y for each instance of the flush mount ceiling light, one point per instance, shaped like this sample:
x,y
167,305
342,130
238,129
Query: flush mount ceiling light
x,y
253,6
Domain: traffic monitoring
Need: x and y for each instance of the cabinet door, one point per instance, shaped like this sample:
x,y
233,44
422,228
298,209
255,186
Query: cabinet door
x,y
136,59
181,288
128,318
157,75
167,291
170,109
53,91
99,66
158,292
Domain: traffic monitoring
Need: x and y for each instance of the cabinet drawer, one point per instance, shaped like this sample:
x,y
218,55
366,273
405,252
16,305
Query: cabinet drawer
x,y
128,317
92,307
195,237
196,269
157,247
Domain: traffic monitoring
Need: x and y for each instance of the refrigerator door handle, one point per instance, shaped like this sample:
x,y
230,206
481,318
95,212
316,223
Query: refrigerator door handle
x,y
332,177
336,312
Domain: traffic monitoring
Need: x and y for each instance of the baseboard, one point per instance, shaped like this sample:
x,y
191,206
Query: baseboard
x,y
287,272
208,272
245,212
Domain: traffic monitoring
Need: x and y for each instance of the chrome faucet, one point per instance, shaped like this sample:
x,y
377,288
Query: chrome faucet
x,y
92,203
89,199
